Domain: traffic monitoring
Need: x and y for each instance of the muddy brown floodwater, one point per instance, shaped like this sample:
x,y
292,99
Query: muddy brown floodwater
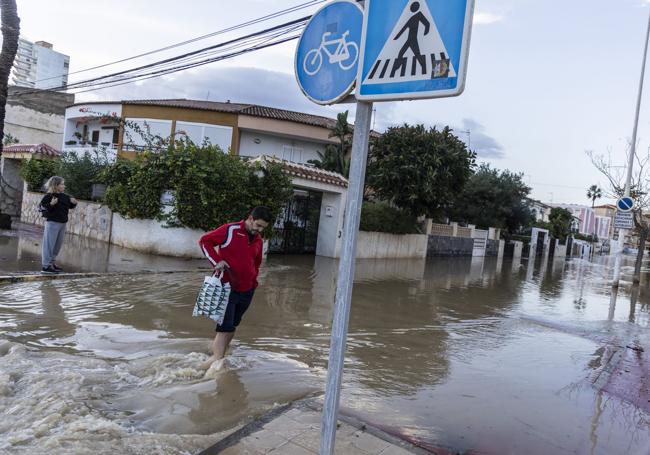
x,y
477,356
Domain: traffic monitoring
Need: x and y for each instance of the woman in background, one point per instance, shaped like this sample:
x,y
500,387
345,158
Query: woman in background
x,y
55,206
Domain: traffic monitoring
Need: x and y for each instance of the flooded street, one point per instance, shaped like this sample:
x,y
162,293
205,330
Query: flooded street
x,y
471,355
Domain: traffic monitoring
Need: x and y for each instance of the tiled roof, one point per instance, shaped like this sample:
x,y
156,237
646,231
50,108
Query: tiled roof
x,y
36,149
305,171
243,109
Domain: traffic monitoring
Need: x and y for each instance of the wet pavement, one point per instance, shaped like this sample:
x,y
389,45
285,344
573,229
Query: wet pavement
x,y
468,355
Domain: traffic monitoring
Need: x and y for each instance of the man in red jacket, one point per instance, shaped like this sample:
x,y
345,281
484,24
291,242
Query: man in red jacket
x,y
236,249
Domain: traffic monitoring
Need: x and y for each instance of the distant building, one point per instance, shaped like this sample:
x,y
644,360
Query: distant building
x,y
590,223
37,65
607,211
540,210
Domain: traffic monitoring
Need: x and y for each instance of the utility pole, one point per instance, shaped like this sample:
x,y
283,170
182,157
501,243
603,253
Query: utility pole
x,y
630,163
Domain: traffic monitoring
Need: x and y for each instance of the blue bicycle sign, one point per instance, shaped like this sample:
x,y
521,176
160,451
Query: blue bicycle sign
x,y
345,54
327,56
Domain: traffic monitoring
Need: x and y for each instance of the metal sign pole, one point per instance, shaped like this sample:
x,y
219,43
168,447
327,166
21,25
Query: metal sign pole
x,y
345,279
628,181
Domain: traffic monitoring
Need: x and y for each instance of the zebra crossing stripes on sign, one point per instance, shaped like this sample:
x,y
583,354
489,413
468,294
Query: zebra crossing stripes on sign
x,y
414,48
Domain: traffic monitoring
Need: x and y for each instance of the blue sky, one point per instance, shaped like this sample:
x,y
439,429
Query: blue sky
x,y
547,80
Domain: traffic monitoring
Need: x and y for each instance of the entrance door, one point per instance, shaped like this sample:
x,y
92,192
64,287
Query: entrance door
x,y
296,228
540,243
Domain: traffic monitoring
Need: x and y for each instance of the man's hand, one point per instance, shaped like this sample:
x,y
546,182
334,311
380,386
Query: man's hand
x,y
221,266
54,201
73,200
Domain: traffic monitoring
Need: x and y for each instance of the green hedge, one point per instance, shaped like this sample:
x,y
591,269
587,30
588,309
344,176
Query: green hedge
x,y
210,187
381,217
36,172
78,171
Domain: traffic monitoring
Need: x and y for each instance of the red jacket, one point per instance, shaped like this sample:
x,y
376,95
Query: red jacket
x,y
242,253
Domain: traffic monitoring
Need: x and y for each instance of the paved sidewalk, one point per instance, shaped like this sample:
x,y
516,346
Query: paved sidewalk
x,y
295,430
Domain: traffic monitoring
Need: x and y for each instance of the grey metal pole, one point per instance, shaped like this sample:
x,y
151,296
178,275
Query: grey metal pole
x,y
346,276
630,163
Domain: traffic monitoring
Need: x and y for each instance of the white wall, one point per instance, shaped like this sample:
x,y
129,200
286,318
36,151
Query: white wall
x,y
330,225
379,245
275,146
32,127
149,236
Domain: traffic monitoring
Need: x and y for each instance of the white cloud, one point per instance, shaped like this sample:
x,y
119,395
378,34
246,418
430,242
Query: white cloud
x,y
481,18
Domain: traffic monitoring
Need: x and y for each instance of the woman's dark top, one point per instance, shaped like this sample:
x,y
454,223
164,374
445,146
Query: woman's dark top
x,y
59,211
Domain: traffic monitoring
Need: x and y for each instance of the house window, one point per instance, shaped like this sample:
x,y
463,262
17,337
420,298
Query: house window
x,y
152,130
95,137
116,136
202,132
293,154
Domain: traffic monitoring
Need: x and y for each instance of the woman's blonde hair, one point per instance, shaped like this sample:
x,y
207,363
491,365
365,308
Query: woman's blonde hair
x,y
52,183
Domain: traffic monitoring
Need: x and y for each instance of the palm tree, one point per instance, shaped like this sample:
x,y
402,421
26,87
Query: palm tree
x,y
336,157
10,33
10,24
594,192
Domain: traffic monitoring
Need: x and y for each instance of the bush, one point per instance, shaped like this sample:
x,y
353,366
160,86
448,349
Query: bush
x,y
36,172
211,188
80,172
381,217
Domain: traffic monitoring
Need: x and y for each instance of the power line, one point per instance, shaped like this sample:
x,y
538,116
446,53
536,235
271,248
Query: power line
x,y
275,31
198,38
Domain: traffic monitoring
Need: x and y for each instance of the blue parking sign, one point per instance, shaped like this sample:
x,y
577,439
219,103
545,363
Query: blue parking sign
x,y
327,55
413,49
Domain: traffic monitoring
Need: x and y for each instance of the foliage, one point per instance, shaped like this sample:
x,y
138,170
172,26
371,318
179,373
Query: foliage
x,y
418,169
10,139
336,157
210,188
381,217
81,171
587,238
134,187
78,171
521,238
594,192
560,221
493,198
35,172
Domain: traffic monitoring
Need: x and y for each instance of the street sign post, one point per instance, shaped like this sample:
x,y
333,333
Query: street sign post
x,y
414,49
327,56
625,204
411,49
623,220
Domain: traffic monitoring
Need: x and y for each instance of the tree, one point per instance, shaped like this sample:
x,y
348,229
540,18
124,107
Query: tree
x,y
560,221
9,139
594,192
418,169
336,156
10,33
493,198
639,192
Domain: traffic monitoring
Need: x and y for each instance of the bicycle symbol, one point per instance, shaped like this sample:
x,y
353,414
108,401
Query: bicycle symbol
x,y
346,54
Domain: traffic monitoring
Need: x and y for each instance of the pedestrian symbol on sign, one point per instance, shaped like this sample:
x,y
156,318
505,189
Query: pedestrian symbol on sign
x,y
415,51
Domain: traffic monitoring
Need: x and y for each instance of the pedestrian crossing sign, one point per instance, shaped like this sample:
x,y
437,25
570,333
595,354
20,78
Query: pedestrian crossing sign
x,y
414,49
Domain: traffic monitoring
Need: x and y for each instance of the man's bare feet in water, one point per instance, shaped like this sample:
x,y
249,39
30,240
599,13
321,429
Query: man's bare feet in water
x,y
215,368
